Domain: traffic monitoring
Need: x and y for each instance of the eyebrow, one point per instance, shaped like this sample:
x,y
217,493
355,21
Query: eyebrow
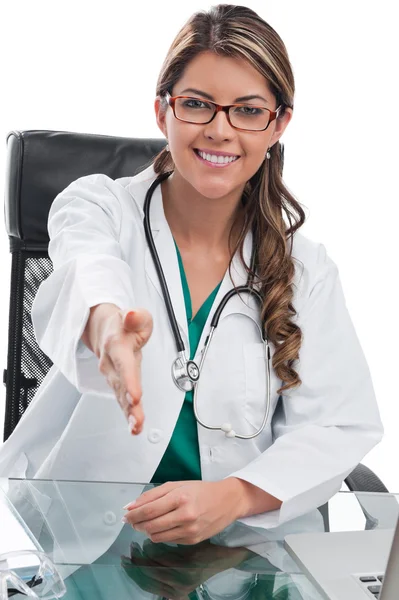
x,y
209,97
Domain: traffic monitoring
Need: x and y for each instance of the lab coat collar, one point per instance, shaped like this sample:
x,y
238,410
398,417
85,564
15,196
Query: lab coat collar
x,y
163,239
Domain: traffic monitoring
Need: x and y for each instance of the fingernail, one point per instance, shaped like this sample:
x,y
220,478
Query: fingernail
x,y
132,422
124,520
128,506
129,398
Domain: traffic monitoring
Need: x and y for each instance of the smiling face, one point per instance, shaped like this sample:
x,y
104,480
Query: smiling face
x,y
223,80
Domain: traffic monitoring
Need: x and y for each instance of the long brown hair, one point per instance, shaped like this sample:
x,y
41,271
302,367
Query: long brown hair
x,y
237,31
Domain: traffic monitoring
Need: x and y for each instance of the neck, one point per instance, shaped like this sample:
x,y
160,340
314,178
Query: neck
x,y
197,221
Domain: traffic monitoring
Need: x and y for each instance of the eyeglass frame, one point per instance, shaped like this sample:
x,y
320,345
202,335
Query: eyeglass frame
x,y
222,107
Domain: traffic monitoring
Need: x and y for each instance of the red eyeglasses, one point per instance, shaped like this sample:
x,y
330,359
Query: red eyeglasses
x,y
245,117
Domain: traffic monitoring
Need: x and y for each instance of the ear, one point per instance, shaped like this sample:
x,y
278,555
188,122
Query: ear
x,y
160,114
280,125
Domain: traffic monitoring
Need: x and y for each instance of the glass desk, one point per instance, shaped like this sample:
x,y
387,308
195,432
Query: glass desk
x,y
78,526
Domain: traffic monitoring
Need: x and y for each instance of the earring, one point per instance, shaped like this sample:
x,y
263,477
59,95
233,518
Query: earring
x,y
268,153
167,147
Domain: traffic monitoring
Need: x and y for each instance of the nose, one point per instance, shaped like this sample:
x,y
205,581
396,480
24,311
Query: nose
x,y
219,128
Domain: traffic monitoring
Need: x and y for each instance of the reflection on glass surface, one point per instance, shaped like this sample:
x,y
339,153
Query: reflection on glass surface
x,y
78,525
30,573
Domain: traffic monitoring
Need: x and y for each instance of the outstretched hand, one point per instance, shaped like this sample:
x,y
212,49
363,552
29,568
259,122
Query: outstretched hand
x,y
122,337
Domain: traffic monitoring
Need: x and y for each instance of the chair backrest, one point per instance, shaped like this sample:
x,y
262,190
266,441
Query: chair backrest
x,y
40,164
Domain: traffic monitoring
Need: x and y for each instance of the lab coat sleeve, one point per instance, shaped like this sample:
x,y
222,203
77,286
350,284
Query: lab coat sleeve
x,y
323,428
84,226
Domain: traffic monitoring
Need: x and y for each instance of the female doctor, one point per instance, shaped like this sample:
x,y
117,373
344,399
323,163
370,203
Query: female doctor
x,y
253,405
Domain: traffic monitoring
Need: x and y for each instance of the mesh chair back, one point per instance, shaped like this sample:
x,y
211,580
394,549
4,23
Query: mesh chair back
x,y
40,164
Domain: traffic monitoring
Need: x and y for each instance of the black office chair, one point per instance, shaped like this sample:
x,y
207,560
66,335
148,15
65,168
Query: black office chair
x,y
39,165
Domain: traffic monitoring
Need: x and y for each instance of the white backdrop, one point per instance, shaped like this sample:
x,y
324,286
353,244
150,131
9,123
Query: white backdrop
x,y
91,67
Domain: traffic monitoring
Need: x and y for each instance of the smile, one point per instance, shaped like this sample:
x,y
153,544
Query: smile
x,y
215,161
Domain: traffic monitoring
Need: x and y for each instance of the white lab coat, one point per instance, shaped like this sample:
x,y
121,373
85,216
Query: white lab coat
x,y
74,427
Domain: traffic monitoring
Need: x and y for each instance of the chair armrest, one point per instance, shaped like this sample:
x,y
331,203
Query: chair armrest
x,y
362,479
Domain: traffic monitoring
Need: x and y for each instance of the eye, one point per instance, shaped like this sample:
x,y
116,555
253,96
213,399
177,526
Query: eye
x,y
195,103
249,110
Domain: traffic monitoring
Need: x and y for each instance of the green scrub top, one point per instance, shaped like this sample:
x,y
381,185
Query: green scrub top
x,y
181,460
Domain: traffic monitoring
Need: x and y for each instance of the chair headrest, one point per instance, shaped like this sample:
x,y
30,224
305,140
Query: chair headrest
x,y
40,164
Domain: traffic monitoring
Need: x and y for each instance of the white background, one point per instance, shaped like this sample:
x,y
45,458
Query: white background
x,y
92,67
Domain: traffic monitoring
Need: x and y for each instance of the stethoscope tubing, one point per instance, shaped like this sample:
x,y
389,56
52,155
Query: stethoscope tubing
x,y
229,432
151,244
226,427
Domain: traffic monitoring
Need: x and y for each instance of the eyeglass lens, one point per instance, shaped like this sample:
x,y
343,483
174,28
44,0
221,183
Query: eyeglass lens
x,y
244,117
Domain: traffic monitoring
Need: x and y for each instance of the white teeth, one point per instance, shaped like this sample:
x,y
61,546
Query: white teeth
x,y
217,159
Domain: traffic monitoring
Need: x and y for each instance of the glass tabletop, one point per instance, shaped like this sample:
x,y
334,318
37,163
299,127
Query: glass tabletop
x,y
79,528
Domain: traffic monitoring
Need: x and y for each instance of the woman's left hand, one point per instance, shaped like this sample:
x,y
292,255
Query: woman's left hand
x,y
186,512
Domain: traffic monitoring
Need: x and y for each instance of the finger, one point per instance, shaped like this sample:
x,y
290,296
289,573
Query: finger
x,y
178,535
114,382
167,521
133,414
162,507
154,493
136,423
140,322
127,366
136,416
105,365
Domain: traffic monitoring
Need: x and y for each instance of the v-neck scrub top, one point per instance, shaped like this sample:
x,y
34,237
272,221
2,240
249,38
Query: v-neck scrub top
x,y
181,460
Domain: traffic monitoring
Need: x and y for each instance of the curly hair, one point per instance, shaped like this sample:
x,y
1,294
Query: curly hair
x,y
238,31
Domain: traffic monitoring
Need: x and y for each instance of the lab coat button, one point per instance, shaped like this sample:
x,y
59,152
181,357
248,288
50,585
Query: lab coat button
x,y
154,435
109,518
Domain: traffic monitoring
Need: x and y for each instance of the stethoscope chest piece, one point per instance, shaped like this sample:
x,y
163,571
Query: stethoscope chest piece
x,y
185,373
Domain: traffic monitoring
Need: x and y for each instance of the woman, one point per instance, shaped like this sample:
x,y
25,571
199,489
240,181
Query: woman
x,y
102,319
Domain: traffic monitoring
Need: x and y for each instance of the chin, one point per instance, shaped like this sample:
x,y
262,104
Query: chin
x,y
214,187
214,191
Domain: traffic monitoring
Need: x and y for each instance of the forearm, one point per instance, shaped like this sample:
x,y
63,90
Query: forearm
x,y
250,499
94,327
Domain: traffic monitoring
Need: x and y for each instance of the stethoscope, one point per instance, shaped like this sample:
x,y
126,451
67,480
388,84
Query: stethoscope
x,y
186,373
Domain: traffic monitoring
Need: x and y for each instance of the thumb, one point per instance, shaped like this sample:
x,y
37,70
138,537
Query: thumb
x,y
138,321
